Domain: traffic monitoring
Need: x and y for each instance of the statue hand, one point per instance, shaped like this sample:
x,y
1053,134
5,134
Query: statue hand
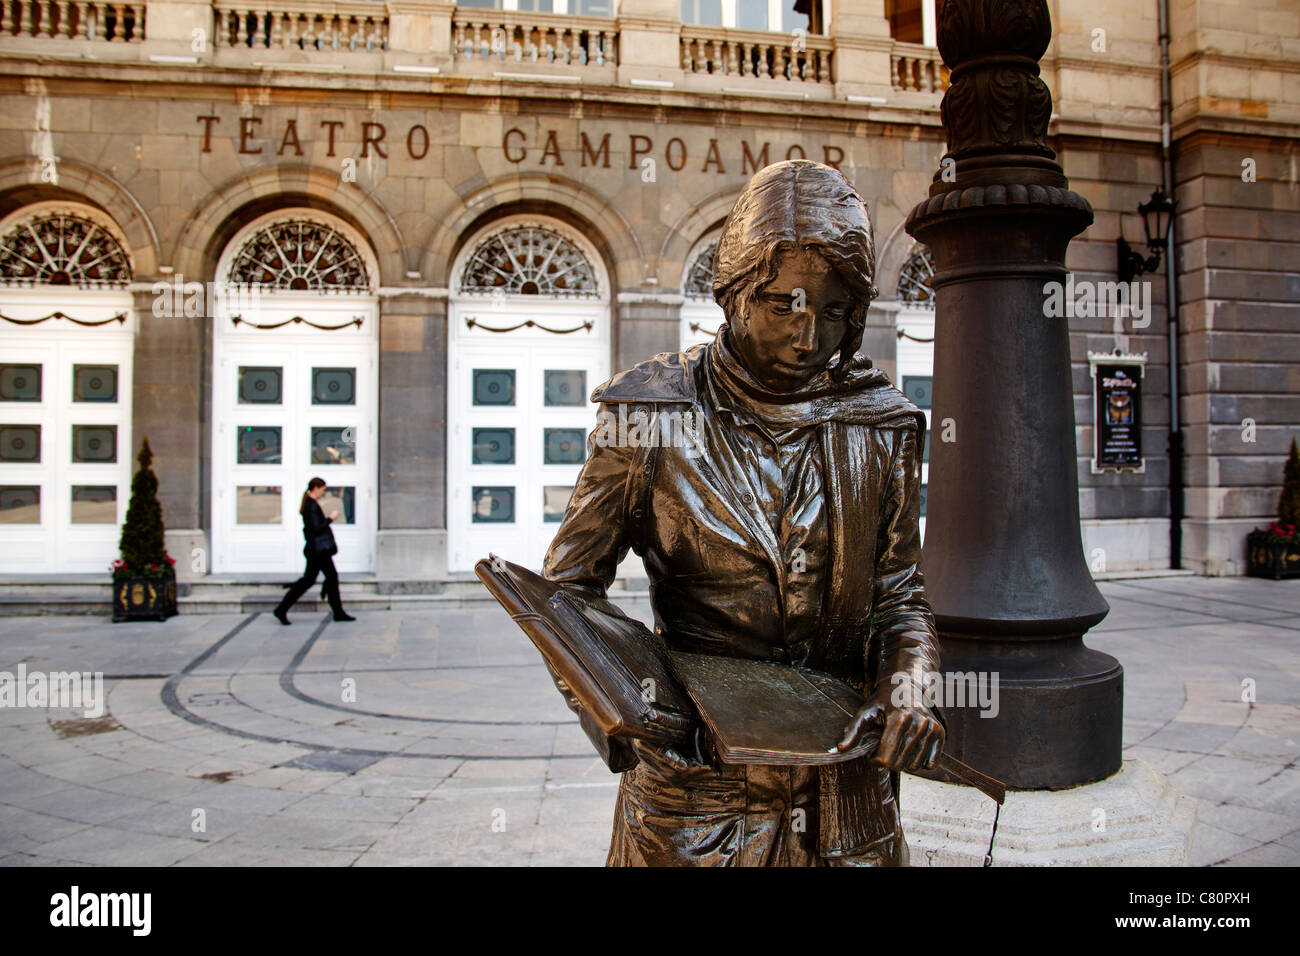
x,y
912,737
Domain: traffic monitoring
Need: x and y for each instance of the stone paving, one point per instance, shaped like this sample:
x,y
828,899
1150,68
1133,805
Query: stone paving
x,y
435,737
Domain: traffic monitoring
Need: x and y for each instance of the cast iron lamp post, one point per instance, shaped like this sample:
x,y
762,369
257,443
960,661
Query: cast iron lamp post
x,y
1003,557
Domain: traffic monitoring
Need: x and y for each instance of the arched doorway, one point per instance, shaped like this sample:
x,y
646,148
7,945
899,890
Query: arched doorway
x,y
701,315
67,331
528,341
295,391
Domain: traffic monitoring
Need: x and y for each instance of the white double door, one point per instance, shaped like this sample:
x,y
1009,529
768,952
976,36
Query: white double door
x,y
66,448
519,418
288,408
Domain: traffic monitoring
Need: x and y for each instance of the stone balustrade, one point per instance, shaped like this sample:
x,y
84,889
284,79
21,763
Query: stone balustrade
x,y
506,36
740,53
73,20
326,25
448,39
917,68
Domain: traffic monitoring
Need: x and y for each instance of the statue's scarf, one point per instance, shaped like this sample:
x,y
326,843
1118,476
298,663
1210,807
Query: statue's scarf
x,y
863,396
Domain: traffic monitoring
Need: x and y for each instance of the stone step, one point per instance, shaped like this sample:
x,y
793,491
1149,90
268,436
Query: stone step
x,y
233,601
78,585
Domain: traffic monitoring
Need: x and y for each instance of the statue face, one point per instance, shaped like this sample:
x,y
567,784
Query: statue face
x,y
782,345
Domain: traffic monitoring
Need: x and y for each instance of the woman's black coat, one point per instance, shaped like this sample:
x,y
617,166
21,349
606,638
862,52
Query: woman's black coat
x,y
316,529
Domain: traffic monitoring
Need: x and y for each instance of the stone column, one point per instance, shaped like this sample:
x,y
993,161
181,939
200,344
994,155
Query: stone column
x,y
860,63
170,384
649,41
420,26
645,324
412,437
1003,560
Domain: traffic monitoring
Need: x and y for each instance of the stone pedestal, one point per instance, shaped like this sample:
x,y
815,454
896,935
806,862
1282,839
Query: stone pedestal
x,y
1135,818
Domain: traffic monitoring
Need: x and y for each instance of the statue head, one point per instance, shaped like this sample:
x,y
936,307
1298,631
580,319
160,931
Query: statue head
x,y
794,273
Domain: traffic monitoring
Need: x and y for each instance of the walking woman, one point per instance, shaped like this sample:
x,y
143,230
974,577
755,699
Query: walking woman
x,y
319,551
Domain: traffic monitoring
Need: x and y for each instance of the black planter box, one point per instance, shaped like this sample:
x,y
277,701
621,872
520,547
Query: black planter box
x,y
144,599
1271,559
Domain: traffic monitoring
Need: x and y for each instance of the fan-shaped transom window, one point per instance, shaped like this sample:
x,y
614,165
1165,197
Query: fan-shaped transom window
x,y
529,260
298,255
699,275
914,278
61,248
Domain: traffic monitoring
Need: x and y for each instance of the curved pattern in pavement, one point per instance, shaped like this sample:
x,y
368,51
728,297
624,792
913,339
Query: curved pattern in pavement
x,y
252,712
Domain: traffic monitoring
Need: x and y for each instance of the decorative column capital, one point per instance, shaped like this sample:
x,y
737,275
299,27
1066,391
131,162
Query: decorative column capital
x,y
997,108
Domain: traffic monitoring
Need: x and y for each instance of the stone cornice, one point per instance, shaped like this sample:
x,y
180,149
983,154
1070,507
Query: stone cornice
x,y
1270,134
1233,59
1101,66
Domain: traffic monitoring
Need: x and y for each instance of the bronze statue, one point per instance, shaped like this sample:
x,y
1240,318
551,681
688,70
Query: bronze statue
x,y
782,526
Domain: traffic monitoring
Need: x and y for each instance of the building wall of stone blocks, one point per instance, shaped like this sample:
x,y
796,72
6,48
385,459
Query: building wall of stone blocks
x,y
1240,323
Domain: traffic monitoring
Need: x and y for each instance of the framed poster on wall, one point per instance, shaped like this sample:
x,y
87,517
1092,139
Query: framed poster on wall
x,y
1117,411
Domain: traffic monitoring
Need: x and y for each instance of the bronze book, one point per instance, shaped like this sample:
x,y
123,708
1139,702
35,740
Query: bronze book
x,y
758,712
765,713
614,665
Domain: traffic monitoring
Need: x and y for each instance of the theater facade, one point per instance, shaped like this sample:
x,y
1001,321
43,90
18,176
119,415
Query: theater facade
x,y
398,244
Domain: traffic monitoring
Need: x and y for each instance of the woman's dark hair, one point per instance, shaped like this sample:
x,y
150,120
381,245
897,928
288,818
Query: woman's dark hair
x,y
311,486
797,204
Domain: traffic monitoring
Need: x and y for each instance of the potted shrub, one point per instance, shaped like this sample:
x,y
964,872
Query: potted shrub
x,y
1274,552
144,577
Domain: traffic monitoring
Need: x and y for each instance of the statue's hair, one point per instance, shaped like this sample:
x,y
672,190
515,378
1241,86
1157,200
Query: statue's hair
x,y
797,204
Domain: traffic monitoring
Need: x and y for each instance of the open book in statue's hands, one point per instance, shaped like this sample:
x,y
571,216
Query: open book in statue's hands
x,y
623,682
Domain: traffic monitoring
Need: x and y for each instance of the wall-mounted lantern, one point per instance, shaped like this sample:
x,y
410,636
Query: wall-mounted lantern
x,y
1157,215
